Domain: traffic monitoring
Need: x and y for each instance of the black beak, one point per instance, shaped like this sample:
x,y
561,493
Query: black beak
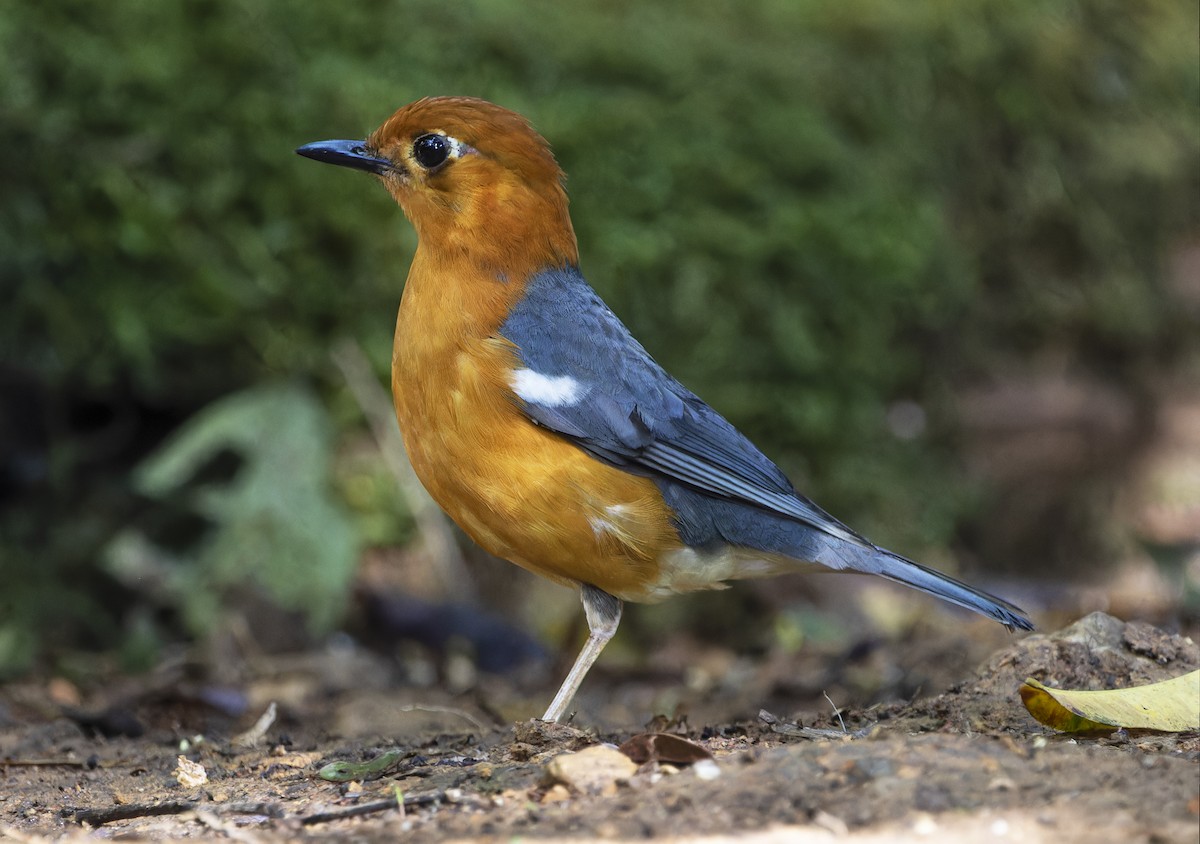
x,y
355,154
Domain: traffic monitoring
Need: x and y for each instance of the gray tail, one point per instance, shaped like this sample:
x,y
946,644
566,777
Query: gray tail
x,y
880,561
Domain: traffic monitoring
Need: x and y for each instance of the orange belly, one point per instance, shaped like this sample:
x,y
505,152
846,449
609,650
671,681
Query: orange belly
x,y
521,492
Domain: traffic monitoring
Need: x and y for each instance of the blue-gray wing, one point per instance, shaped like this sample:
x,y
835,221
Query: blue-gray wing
x,y
587,379
624,408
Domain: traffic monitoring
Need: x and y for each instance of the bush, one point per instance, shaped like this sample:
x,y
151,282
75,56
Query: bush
x,y
810,211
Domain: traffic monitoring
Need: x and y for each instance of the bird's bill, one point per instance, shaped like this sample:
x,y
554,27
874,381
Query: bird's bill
x,y
354,154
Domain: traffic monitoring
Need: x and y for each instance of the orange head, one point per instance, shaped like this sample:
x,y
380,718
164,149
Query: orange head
x,y
476,181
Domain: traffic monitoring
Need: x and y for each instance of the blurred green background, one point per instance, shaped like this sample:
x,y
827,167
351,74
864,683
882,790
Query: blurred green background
x,y
933,257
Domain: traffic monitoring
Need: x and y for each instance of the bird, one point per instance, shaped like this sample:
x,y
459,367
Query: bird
x,y
542,427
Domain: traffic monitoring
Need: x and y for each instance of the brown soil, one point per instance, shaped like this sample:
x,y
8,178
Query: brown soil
x,y
967,764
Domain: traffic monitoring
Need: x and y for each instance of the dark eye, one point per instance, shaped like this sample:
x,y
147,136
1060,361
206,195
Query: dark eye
x,y
431,150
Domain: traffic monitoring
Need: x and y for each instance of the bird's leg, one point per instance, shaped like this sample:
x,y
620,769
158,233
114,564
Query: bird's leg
x,y
603,613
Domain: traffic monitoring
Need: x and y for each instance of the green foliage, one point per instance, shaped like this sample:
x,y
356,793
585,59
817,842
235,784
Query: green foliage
x,y
273,524
807,210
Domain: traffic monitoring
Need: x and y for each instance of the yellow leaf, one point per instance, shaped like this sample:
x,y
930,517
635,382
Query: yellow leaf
x,y
1171,706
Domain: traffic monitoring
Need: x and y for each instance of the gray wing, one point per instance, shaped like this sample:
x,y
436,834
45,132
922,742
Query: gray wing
x,y
617,403
628,411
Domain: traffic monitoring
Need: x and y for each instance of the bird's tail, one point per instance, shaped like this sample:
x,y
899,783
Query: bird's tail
x,y
875,560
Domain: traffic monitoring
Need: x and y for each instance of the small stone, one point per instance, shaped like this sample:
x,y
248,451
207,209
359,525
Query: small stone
x,y
557,793
593,770
190,774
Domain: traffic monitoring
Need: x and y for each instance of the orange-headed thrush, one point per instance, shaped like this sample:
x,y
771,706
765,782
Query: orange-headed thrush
x,y
541,426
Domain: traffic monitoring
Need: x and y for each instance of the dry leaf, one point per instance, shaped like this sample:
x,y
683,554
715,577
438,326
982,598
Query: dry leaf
x,y
662,747
1171,706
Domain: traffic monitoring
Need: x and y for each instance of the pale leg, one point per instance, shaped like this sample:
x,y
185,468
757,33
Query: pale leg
x,y
603,613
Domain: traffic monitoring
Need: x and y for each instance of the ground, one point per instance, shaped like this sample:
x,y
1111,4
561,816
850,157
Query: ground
x,y
963,765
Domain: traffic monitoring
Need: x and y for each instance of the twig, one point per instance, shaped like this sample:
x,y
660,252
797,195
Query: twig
x,y
99,817
255,734
836,711
811,733
432,525
371,808
129,811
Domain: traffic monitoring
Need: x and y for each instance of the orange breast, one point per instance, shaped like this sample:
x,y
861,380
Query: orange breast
x,y
521,492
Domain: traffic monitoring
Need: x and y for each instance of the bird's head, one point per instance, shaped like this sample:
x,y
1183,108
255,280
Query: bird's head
x,y
472,177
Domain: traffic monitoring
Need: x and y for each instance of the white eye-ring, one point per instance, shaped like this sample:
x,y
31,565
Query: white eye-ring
x,y
434,149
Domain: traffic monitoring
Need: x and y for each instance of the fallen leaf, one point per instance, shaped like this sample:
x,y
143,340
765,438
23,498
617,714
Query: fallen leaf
x,y
1169,706
662,747
371,769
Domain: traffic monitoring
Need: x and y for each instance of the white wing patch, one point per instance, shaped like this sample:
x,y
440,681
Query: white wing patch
x,y
601,525
546,390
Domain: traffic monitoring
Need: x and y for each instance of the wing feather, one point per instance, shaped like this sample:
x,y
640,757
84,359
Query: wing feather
x,y
631,412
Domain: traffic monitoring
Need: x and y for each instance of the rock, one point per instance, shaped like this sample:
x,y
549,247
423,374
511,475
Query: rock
x,y
593,770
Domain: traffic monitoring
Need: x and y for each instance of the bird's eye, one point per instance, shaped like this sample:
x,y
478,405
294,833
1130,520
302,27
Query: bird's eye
x,y
431,151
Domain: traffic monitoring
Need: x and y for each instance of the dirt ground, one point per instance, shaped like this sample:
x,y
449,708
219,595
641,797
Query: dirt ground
x,y
968,764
